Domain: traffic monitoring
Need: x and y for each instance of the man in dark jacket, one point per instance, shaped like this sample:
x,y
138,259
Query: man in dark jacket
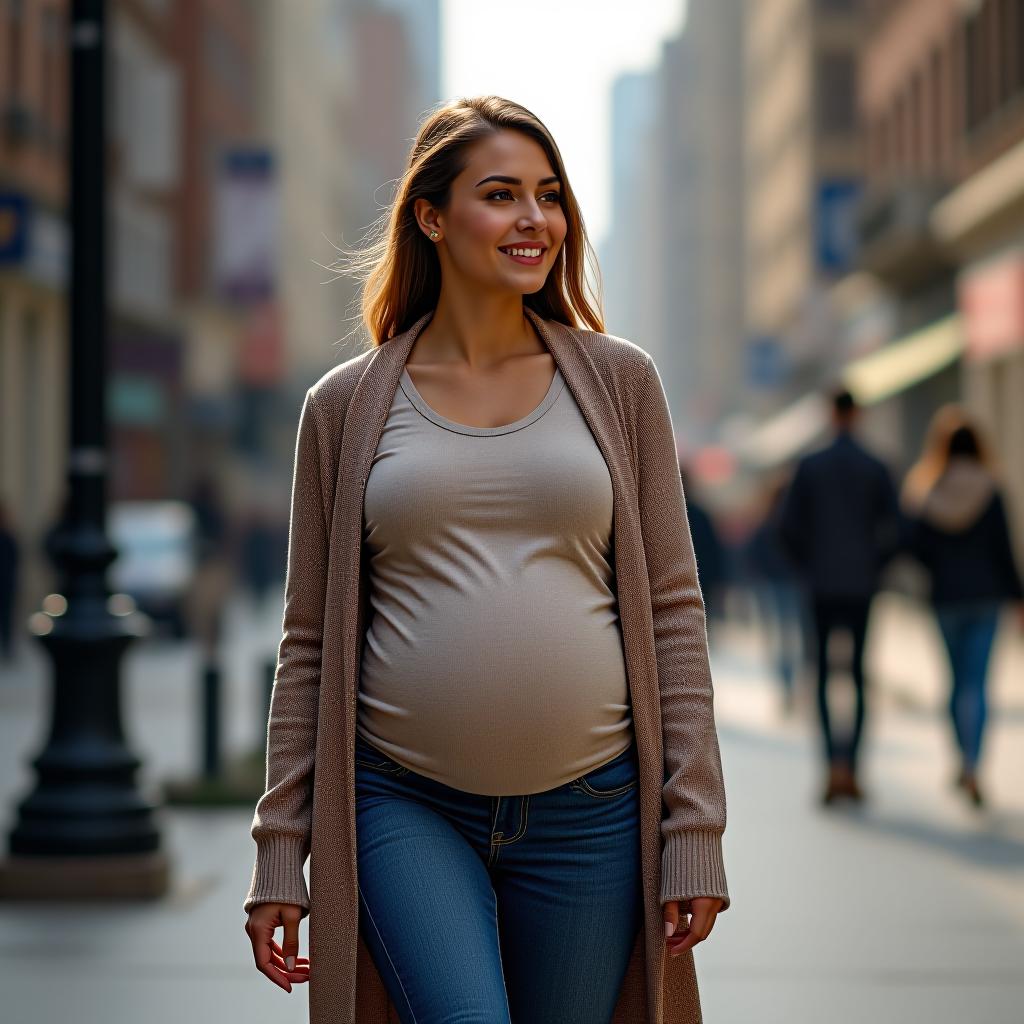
x,y
840,523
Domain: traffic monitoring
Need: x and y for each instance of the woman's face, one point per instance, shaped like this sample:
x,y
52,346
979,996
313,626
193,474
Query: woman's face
x,y
507,195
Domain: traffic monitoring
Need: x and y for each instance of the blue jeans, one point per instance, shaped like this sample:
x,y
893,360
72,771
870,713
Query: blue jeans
x,y
969,633
503,909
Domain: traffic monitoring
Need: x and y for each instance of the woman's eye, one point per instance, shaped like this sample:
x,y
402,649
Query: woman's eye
x,y
506,192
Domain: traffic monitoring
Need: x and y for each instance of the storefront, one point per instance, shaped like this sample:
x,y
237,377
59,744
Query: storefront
x,y
982,221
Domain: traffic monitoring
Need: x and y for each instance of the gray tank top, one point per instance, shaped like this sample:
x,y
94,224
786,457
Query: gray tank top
x,y
493,659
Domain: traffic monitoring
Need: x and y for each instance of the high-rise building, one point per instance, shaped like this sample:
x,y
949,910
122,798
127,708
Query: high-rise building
x,y
626,253
701,208
804,176
672,260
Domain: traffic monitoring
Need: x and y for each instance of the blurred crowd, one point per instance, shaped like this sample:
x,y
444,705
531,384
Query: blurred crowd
x,y
830,537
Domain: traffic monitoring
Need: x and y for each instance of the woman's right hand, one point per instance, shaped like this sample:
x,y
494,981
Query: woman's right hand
x,y
272,959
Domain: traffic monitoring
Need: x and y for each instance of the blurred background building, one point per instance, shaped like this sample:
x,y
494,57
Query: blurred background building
x,y
247,139
678,175
802,192
830,190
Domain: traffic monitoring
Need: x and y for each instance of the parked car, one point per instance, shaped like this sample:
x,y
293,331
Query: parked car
x,y
155,541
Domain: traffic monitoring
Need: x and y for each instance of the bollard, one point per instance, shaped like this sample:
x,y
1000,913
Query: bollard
x,y
211,721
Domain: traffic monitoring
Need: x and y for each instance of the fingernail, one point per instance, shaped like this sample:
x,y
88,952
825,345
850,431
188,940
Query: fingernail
x,y
289,962
669,929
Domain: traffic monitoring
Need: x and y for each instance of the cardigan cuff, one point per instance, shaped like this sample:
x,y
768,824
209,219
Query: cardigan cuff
x,y
692,866
277,875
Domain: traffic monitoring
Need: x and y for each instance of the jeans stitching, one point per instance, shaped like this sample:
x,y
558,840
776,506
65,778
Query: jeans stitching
x,y
386,953
600,793
501,963
524,819
398,769
494,844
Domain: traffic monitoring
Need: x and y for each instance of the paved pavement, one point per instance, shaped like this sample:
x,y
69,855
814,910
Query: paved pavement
x,y
908,909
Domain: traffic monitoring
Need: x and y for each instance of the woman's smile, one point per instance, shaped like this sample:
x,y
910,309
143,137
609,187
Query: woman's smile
x,y
517,255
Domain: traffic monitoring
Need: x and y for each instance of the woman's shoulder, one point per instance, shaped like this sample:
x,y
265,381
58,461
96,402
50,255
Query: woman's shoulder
x,y
329,396
612,352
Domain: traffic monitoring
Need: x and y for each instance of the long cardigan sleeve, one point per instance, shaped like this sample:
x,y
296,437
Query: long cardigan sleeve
x,y
282,821
694,792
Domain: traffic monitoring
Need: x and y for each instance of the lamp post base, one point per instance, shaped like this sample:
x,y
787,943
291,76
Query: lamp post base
x,y
65,879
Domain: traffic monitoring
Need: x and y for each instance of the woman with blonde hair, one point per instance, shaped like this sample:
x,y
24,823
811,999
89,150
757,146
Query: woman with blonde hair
x,y
492,726
959,532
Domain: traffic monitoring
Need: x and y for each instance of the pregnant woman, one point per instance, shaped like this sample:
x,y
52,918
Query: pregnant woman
x,y
492,726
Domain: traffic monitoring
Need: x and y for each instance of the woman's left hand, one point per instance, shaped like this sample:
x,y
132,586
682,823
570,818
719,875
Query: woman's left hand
x,y
703,912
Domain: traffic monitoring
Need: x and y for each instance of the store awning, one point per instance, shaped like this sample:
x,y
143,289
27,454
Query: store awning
x,y
786,434
870,379
904,363
984,198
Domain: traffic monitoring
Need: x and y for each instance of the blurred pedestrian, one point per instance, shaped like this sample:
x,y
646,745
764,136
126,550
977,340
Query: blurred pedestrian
x,y
707,547
213,575
960,534
9,558
260,560
775,581
840,524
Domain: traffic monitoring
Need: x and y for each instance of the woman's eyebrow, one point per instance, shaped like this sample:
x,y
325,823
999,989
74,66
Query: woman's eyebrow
x,y
517,181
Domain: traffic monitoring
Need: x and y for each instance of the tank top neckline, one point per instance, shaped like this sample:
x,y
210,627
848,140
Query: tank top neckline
x,y
554,390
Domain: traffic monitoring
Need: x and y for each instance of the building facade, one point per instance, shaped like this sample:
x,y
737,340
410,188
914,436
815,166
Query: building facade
x,y
942,95
804,166
34,131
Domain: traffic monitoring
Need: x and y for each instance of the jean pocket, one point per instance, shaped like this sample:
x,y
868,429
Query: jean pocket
x,y
616,777
368,756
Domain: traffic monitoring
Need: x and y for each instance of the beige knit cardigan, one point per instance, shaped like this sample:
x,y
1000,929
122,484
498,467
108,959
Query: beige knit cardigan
x,y
308,808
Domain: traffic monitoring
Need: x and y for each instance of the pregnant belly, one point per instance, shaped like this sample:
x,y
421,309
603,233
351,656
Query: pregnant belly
x,y
496,703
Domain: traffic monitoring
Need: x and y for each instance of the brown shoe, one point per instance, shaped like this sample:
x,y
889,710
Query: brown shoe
x,y
834,785
848,782
853,790
970,786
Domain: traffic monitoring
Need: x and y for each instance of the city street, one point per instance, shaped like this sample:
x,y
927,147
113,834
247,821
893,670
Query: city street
x,y
908,909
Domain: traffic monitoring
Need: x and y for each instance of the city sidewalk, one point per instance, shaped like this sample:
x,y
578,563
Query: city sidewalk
x,y
908,909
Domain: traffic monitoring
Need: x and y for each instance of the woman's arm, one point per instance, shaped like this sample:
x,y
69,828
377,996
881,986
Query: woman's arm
x,y
694,791
1003,553
283,820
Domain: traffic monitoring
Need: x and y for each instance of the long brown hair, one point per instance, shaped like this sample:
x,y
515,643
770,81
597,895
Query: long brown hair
x,y
399,266
950,422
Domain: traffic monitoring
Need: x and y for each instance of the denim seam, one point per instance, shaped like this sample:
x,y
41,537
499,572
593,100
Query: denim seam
x,y
387,766
399,769
386,953
524,819
599,793
494,836
501,963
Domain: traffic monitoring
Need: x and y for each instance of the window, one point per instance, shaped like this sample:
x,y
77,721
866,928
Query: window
x,y
837,93
938,107
54,57
14,10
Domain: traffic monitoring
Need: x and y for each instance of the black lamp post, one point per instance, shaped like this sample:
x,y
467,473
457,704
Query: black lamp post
x,y
85,829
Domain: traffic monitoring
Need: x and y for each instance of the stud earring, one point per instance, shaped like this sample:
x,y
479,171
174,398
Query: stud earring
x,y
433,234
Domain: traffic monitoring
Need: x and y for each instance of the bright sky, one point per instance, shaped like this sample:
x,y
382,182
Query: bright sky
x,y
558,58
